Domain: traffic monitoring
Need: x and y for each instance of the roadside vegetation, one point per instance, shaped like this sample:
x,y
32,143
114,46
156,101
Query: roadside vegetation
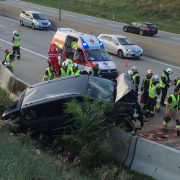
x,y
164,13
22,158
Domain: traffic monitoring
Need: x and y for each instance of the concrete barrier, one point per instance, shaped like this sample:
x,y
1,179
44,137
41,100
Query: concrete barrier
x,y
159,161
122,146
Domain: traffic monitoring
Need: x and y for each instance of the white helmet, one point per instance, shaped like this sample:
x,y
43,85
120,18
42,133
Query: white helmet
x,y
95,63
155,77
130,72
134,68
15,32
75,65
64,63
150,71
169,70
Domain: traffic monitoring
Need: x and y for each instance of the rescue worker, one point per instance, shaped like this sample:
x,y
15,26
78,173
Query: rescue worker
x,y
145,86
130,72
74,45
136,79
75,70
53,55
49,73
164,83
154,92
95,71
177,83
64,71
172,111
9,58
69,61
16,44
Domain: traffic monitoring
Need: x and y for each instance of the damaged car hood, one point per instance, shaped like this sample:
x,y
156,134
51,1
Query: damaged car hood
x,y
124,85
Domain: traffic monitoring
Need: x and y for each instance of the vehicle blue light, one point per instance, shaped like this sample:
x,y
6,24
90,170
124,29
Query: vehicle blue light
x,y
101,45
100,58
84,44
58,29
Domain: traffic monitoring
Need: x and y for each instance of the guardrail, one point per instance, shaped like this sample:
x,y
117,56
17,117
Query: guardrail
x,y
151,47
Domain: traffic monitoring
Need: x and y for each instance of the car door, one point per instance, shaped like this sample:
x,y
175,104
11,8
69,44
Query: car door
x,y
132,27
138,27
107,43
27,20
114,45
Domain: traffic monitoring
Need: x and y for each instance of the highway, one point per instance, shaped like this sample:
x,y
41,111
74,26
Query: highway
x,y
34,47
162,35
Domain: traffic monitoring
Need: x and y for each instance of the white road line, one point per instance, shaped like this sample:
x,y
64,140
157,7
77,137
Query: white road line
x,y
69,15
9,19
22,4
160,63
3,26
52,31
114,25
175,38
35,7
25,49
90,20
51,11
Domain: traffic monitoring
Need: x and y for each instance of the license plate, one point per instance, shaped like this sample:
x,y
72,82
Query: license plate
x,y
137,54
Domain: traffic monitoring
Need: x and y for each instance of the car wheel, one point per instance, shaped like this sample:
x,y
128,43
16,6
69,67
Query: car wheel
x,y
33,27
21,23
140,32
125,29
120,53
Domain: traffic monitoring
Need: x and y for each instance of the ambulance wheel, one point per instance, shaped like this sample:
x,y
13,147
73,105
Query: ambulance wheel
x,y
120,53
33,27
21,23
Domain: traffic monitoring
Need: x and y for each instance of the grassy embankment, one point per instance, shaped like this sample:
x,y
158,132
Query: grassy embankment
x,y
19,160
164,13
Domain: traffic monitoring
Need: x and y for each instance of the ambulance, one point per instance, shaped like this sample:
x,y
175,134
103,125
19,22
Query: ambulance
x,y
88,50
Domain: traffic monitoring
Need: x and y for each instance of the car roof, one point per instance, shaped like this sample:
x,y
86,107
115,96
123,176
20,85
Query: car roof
x,y
113,35
144,22
69,86
33,12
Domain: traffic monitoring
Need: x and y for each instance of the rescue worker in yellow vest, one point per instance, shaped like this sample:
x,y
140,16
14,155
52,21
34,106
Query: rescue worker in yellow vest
x,y
145,86
136,79
75,70
9,58
74,45
16,44
164,83
154,92
69,62
172,110
95,71
49,73
64,71
177,83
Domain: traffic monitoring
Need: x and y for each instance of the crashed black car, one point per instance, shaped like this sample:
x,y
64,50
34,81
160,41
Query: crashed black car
x,y
40,107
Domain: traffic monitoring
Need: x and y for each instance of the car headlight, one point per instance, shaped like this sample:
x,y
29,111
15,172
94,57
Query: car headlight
x,y
38,23
142,50
128,49
49,23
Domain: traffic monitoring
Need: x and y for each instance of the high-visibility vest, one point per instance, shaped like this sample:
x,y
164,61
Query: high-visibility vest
x,y
75,73
8,59
49,74
16,42
74,45
92,72
134,78
174,102
70,63
178,81
161,83
64,73
46,77
152,90
146,79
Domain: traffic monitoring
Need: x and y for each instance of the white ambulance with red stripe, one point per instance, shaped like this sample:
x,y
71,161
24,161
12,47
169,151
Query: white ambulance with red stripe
x,y
89,50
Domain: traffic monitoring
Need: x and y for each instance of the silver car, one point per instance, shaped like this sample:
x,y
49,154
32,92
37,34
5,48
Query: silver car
x,y
120,45
34,19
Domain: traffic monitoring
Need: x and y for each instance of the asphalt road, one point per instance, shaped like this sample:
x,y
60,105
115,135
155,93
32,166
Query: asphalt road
x,y
162,35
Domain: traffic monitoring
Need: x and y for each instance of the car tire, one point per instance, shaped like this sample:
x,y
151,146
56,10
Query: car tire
x,y
33,27
120,53
125,29
141,32
21,23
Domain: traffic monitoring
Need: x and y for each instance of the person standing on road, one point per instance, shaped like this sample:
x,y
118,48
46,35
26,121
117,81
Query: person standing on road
x,y
64,71
49,73
154,92
95,71
69,62
9,58
172,110
136,79
16,44
75,71
164,83
145,86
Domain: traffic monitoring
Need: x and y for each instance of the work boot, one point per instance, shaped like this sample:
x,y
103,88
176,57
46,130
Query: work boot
x,y
151,115
178,133
165,130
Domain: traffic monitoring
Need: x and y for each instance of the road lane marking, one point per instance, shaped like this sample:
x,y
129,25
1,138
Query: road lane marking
x,y
175,38
3,26
25,49
90,20
114,25
52,31
69,15
22,4
9,19
35,7
51,11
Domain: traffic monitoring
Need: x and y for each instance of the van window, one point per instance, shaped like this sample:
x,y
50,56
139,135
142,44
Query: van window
x,y
79,55
31,113
59,44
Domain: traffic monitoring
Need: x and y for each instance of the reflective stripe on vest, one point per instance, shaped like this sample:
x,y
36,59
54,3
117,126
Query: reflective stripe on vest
x,y
92,74
152,90
16,42
134,78
174,102
177,83
75,73
8,59
64,73
165,123
162,85
70,63
178,127
74,45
